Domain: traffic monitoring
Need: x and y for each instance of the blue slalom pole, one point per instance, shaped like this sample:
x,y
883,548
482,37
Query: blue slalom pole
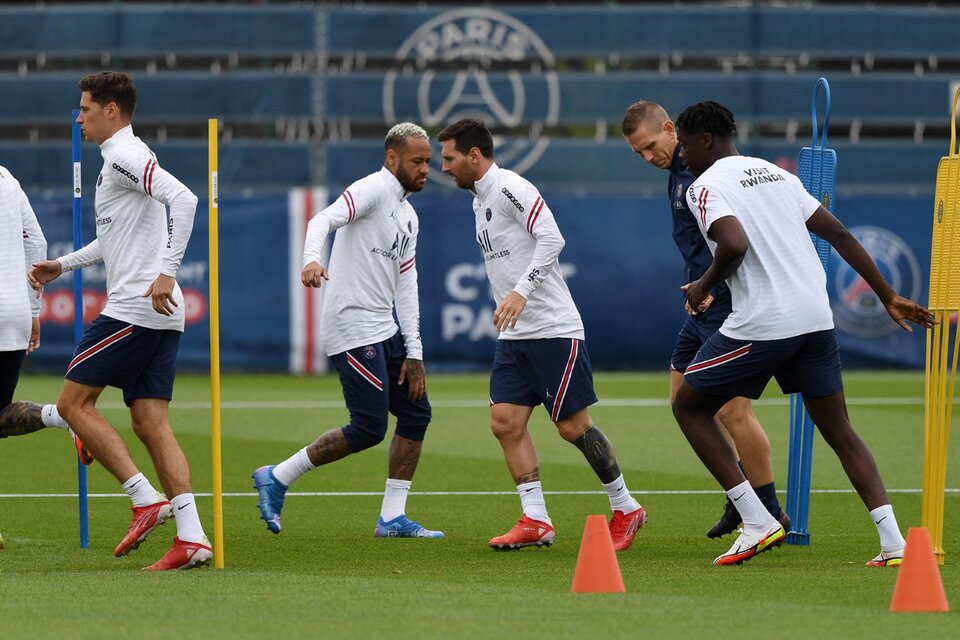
x,y
78,320
816,168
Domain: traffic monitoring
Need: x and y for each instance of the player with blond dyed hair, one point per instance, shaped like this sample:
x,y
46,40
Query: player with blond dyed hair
x,y
651,134
372,271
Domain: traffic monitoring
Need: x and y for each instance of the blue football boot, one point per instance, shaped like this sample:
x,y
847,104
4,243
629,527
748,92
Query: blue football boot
x,y
272,493
401,527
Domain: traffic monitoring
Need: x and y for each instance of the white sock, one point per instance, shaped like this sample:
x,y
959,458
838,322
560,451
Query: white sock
x,y
755,515
51,417
293,467
620,498
189,528
532,502
890,537
141,492
394,499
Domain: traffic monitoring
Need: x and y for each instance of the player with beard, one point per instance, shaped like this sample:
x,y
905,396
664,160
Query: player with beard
x,y
372,270
541,356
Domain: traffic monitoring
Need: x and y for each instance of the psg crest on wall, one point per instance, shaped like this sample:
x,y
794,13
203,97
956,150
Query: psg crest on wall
x,y
477,63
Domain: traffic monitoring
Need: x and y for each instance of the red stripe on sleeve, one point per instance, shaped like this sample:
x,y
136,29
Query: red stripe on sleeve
x,y
150,180
702,205
351,207
146,171
533,214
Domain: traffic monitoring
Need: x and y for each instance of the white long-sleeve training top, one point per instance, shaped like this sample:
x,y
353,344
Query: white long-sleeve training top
x,y
136,239
21,244
372,266
521,245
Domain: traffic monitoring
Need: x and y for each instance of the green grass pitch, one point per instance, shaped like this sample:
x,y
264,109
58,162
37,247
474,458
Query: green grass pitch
x,y
326,576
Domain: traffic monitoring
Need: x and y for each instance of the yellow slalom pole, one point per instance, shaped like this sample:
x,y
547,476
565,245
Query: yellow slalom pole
x,y
941,367
214,273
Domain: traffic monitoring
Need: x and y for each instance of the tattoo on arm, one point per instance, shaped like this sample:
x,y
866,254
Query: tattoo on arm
x,y
599,453
415,370
20,418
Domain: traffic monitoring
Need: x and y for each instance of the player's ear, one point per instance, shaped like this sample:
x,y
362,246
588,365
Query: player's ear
x,y
391,159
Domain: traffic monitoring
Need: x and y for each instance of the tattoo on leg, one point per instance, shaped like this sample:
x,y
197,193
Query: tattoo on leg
x,y
599,453
524,478
20,418
328,448
404,456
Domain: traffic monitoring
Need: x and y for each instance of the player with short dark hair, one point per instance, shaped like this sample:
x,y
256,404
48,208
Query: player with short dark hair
x,y
652,135
541,357
373,271
756,217
132,344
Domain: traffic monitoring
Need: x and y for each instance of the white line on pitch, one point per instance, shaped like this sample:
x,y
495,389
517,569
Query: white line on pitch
x,y
351,494
482,404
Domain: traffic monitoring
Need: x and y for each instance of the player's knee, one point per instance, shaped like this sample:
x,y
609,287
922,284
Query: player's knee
x,y
738,413
143,430
680,408
415,432
503,427
575,425
364,432
68,410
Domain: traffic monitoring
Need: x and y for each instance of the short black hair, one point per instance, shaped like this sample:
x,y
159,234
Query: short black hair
x,y
467,134
111,86
707,117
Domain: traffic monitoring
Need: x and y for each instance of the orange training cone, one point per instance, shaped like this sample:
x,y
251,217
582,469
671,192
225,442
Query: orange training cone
x,y
919,586
597,568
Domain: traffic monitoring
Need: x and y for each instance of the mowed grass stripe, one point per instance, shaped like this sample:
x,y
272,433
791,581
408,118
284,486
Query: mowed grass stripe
x,y
326,575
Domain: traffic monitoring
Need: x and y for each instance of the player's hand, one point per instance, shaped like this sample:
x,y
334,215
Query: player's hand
x,y
34,343
43,272
703,306
161,291
901,310
508,311
412,371
698,300
313,275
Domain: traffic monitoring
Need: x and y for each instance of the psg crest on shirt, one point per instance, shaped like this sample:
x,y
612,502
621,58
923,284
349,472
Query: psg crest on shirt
x,y
369,352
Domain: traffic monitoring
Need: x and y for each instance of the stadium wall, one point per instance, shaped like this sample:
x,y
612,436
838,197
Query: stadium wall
x,y
620,263
305,93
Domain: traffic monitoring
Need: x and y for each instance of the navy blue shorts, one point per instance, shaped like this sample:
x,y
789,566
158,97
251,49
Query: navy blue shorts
x,y
693,334
808,364
140,361
554,372
10,363
369,376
